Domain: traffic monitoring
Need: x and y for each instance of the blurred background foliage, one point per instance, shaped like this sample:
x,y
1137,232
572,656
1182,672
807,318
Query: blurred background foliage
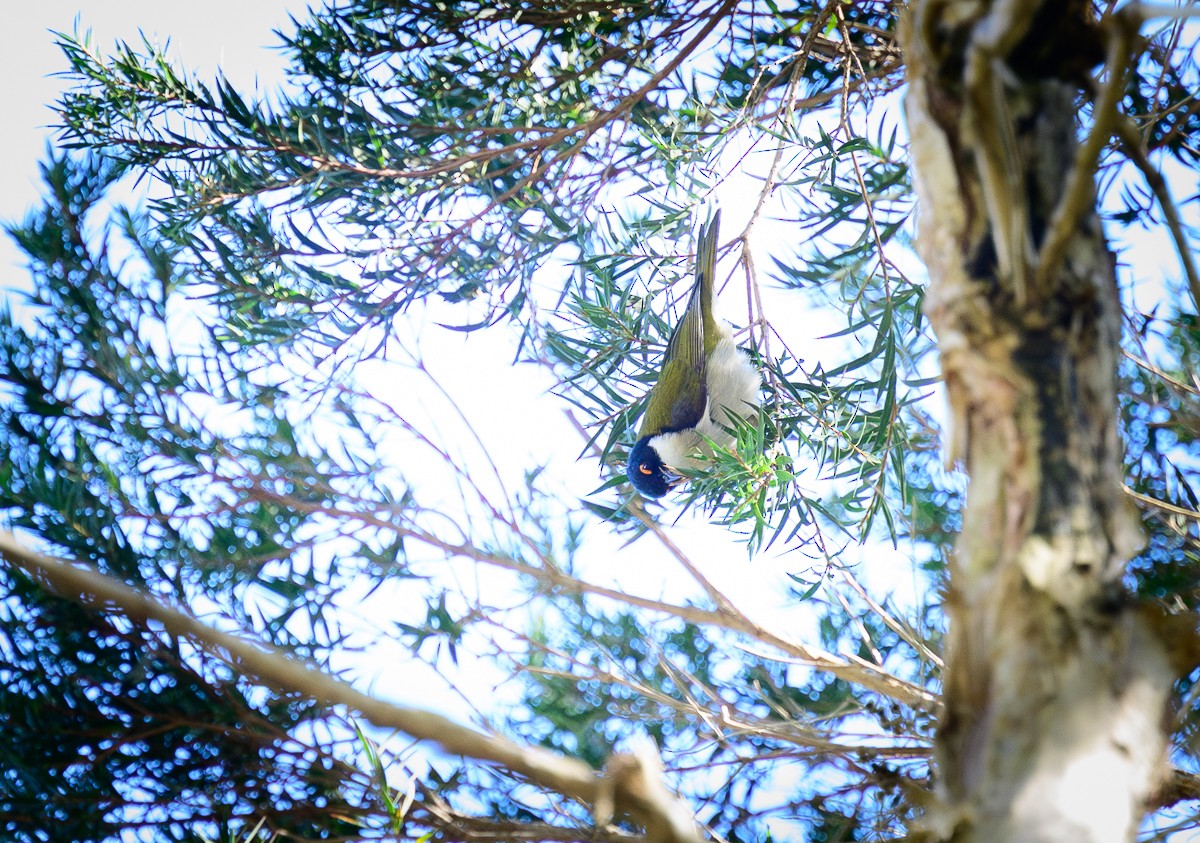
x,y
194,402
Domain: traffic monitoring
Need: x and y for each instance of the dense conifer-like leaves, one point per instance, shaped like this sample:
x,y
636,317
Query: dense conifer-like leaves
x,y
198,399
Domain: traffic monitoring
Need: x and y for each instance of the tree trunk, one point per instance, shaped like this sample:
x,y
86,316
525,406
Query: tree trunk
x,y
1056,681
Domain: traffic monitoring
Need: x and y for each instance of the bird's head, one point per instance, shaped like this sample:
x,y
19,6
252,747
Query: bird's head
x,y
648,473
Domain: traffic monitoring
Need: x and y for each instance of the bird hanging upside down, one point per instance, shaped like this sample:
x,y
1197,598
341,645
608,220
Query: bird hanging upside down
x,y
704,378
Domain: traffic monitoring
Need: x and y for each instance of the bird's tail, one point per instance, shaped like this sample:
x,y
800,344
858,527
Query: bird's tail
x,y
706,268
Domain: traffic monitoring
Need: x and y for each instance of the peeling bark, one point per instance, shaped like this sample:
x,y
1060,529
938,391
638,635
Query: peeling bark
x,y
1056,682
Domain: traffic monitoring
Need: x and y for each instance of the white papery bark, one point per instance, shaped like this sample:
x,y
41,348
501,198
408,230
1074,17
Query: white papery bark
x,y
1056,681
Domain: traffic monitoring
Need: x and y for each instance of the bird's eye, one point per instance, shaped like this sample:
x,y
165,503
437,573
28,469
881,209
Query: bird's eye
x,y
645,469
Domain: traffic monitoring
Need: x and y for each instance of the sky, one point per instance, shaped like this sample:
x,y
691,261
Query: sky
x,y
29,62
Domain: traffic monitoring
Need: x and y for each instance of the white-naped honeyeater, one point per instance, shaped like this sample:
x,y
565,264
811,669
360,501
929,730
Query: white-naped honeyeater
x,y
704,378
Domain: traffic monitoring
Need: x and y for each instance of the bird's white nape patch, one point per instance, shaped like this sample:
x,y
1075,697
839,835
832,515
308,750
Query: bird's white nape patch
x,y
677,450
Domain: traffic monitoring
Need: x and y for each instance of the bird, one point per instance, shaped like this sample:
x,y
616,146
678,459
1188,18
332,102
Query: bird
x,y
704,378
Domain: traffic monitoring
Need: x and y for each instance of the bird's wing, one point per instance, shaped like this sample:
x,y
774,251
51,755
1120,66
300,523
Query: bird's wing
x,y
678,399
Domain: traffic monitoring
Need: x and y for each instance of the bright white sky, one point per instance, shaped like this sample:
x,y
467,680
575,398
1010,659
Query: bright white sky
x,y
232,34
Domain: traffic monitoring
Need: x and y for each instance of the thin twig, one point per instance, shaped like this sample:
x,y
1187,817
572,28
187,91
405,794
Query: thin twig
x,y
1178,386
1163,505
861,627
1133,144
629,788
1146,11
894,625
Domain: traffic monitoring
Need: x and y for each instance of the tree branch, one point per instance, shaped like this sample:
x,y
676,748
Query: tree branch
x,y
1078,194
632,783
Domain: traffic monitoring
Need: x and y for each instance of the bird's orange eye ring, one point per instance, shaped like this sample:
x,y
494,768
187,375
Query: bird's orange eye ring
x,y
644,469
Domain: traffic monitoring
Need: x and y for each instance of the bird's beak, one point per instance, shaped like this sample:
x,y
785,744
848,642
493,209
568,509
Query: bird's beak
x,y
674,478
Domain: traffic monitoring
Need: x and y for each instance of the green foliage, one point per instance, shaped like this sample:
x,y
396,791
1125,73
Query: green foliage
x,y
1162,420
110,723
849,417
181,410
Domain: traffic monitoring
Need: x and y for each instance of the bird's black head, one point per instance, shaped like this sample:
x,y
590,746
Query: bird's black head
x,y
647,472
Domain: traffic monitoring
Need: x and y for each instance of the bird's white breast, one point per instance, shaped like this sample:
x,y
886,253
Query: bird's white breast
x,y
733,384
